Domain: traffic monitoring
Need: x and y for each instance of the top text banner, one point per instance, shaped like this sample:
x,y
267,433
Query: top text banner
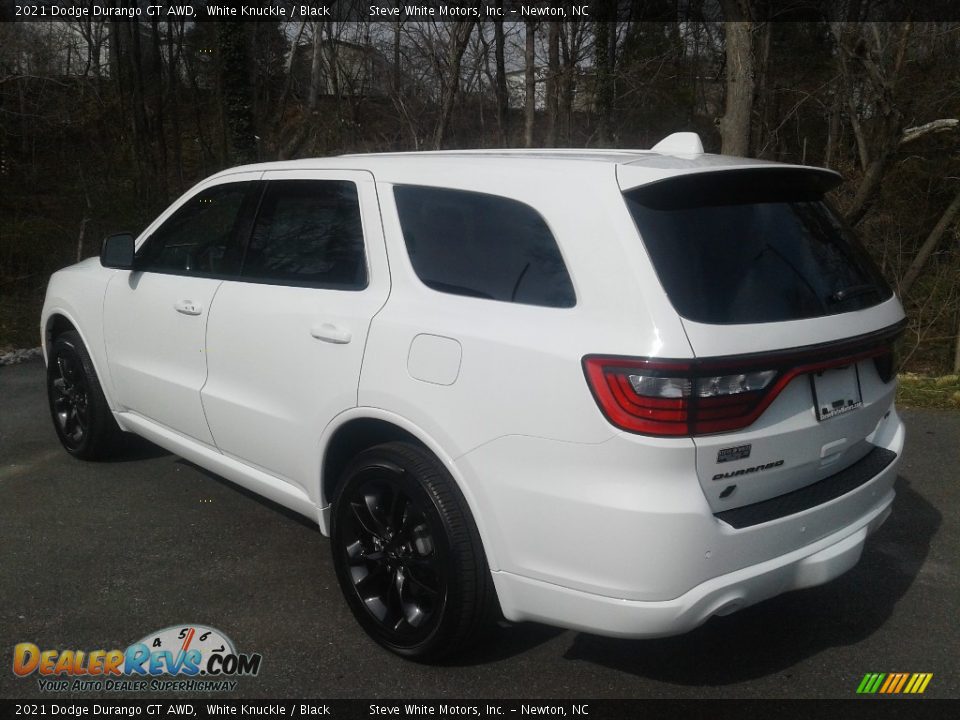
x,y
477,10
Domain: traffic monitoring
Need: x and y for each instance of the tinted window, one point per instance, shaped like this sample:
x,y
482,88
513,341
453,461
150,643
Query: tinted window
x,y
753,247
482,246
308,232
204,236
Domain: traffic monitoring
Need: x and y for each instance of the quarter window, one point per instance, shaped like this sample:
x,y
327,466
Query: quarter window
x,y
204,236
484,246
308,233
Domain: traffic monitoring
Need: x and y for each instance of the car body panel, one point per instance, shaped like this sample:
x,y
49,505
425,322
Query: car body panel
x,y
274,423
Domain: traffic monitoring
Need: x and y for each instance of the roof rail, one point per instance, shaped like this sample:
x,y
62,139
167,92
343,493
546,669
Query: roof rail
x,y
681,143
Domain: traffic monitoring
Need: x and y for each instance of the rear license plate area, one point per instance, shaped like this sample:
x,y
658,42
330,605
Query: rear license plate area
x,y
836,391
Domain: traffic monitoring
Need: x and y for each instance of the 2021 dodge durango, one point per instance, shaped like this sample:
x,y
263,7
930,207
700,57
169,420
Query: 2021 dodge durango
x,y
612,390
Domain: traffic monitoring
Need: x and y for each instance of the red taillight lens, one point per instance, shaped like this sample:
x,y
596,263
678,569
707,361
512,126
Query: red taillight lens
x,y
670,398
888,363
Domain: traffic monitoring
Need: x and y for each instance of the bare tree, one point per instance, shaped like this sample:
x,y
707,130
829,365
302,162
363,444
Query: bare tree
x,y
503,94
530,83
604,54
573,48
738,108
456,45
875,117
929,245
552,82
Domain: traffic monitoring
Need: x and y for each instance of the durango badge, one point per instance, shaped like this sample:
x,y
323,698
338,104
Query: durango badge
x,y
747,471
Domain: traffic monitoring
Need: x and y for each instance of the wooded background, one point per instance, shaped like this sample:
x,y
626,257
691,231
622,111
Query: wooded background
x,y
103,124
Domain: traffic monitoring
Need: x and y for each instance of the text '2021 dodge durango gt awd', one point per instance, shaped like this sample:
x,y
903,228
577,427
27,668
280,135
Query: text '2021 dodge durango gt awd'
x,y
612,390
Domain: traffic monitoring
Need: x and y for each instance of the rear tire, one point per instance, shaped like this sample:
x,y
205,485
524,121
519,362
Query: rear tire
x,y
80,413
407,554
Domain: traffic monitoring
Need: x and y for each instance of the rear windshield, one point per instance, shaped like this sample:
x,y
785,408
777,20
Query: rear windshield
x,y
753,246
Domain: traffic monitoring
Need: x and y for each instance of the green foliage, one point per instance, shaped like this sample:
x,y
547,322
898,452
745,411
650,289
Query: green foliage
x,y
929,392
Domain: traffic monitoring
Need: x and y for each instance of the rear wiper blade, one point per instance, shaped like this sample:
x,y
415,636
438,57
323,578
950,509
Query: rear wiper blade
x,y
852,292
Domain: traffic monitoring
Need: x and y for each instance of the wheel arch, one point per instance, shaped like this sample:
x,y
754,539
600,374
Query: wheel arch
x,y
57,323
364,427
58,320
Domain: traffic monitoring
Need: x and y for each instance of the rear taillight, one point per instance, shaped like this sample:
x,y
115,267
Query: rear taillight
x,y
674,398
888,363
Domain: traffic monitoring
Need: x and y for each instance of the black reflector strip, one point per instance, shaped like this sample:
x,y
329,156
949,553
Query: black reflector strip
x,y
820,492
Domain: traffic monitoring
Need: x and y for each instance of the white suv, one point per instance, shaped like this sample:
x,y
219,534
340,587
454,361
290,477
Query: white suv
x,y
612,390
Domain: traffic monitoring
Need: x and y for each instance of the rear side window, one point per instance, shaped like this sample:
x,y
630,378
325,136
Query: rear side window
x,y
753,246
308,233
483,246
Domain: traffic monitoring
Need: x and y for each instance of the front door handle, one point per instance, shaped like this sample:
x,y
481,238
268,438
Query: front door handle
x,y
328,332
188,307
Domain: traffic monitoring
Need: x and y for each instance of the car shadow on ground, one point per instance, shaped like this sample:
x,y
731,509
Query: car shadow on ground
x,y
134,449
266,502
775,635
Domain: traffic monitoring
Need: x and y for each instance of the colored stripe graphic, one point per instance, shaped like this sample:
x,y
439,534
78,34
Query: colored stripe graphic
x,y
903,681
894,683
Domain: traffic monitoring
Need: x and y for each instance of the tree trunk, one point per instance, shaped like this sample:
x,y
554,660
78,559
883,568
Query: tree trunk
x,y
765,99
173,80
604,76
397,75
235,91
459,38
503,93
880,134
553,78
315,68
571,36
159,129
288,75
865,196
530,101
833,129
929,245
956,352
735,123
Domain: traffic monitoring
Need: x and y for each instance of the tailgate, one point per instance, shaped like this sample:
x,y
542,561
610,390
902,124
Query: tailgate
x,y
834,396
791,324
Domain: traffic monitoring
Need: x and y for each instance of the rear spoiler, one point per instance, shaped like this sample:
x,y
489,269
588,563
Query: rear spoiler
x,y
670,179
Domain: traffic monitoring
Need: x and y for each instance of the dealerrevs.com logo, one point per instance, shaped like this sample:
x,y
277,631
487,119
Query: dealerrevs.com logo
x,y
181,658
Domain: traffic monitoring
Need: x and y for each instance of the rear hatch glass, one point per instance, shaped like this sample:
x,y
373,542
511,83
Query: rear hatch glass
x,y
753,246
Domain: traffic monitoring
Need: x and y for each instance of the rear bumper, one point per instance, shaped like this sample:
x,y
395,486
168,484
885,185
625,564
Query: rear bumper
x,y
618,538
812,565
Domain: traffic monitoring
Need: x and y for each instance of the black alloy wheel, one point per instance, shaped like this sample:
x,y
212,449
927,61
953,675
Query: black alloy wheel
x,y
395,564
81,416
69,399
407,554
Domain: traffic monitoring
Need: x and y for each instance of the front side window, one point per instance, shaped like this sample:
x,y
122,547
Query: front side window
x,y
484,246
204,236
308,233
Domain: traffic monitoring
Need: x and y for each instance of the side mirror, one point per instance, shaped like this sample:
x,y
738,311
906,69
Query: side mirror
x,y
117,251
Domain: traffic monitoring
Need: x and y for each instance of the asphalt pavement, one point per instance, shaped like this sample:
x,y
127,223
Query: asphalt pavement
x,y
98,555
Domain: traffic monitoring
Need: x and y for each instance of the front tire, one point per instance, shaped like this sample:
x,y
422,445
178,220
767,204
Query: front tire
x,y
407,553
80,413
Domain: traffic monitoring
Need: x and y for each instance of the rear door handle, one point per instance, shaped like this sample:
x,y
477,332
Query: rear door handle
x,y
328,332
188,307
